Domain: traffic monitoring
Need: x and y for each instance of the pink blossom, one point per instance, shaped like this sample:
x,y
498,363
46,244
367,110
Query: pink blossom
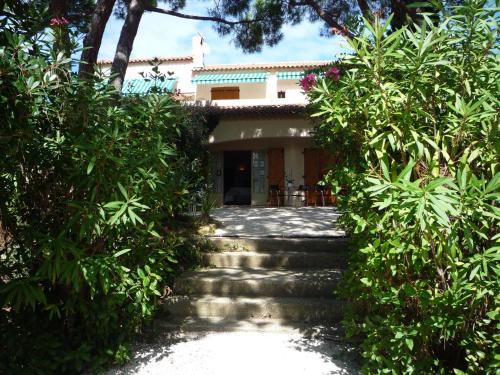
x,y
308,82
333,73
59,21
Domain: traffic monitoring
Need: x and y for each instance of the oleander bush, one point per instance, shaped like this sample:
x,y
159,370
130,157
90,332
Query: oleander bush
x,y
90,185
414,116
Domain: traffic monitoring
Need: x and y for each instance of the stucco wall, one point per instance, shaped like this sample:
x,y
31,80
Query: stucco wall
x,y
242,129
247,90
291,88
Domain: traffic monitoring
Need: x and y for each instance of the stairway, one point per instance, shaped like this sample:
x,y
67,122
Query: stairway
x,y
262,282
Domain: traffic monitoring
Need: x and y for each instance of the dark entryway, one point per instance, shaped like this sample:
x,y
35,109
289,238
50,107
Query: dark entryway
x,y
237,177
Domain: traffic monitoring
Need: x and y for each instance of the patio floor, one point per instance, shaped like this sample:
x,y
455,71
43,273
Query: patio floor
x,y
291,222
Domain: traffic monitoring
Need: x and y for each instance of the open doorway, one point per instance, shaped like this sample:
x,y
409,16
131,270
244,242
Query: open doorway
x,y
237,177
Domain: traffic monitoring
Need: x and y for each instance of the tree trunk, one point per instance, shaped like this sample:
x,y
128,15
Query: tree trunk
x,y
93,39
126,42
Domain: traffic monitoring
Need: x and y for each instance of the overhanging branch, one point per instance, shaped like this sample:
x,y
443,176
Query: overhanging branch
x,y
328,18
199,18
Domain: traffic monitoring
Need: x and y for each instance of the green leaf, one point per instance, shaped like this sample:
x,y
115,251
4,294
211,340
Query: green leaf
x,y
474,272
91,165
121,252
122,189
405,174
409,343
114,204
384,164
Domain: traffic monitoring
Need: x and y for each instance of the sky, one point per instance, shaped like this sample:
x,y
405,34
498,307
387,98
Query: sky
x,y
162,35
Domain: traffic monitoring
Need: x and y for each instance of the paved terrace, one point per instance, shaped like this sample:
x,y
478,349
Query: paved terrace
x,y
287,222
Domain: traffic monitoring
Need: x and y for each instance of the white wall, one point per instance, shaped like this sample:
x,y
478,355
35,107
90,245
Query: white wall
x,y
247,90
291,88
241,129
265,90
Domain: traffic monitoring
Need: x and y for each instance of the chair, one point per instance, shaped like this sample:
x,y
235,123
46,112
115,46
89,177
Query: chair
x,y
274,193
308,194
321,191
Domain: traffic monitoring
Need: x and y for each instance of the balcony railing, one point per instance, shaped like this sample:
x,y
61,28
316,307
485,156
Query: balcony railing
x,y
253,102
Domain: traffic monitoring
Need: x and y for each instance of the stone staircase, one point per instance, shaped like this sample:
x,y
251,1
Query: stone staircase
x,y
262,282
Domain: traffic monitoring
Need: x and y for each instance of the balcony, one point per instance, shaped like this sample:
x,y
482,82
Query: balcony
x,y
228,103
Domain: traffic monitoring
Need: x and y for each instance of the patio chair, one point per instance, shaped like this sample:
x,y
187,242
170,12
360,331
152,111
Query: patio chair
x,y
321,192
274,195
309,193
305,191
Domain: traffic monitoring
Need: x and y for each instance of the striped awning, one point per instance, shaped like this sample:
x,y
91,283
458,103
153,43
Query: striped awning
x,y
290,75
142,86
205,79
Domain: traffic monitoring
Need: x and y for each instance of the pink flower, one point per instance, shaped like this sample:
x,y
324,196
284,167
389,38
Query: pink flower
x,y
308,82
333,73
59,21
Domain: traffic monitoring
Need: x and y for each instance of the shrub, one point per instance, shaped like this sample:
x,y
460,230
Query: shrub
x,y
414,116
89,186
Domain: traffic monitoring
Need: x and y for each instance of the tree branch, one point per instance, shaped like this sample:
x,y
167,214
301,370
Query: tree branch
x,y
328,18
365,9
199,18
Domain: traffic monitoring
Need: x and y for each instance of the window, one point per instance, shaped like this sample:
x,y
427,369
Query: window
x,y
259,172
223,93
281,94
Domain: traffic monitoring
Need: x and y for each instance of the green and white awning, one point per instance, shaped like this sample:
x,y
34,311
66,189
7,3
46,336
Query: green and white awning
x,y
205,79
142,86
290,75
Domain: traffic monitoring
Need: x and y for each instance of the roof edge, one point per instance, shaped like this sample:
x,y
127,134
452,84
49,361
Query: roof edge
x,y
271,65
149,59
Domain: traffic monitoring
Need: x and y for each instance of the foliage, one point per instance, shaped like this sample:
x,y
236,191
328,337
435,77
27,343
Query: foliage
x,y
90,185
415,117
255,23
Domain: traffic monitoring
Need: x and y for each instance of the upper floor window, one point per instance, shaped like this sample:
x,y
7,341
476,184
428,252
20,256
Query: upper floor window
x,y
221,93
281,94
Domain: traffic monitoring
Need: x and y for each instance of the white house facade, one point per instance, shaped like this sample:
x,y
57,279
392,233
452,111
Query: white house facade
x,y
262,142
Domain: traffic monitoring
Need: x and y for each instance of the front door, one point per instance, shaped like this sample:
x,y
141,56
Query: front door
x,y
237,177
316,165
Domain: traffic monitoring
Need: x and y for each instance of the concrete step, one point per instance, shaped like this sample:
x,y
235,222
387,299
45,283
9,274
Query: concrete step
x,y
218,324
192,325
259,282
278,259
267,245
274,310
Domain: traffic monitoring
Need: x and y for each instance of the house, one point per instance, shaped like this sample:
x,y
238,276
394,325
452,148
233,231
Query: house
x,y
261,148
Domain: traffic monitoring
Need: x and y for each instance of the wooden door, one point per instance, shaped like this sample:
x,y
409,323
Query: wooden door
x,y
276,167
316,164
311,167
